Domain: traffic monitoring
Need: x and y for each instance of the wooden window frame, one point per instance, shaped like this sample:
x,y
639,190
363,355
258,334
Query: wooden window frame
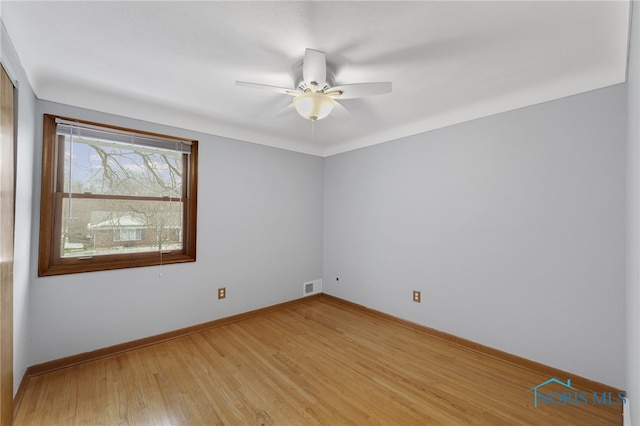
x,y
50,261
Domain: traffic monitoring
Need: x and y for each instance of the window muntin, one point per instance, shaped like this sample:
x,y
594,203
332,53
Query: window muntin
x,y
118,198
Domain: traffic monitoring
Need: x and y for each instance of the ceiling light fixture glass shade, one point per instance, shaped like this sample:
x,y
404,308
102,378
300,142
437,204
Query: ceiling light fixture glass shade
x,y
313,105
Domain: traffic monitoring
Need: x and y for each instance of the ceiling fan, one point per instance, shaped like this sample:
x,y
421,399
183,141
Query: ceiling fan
x,y
315,95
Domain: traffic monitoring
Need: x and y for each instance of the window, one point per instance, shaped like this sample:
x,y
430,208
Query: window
x,y
128,234
114,198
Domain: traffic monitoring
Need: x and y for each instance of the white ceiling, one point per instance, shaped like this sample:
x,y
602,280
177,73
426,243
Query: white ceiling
x,y
175,62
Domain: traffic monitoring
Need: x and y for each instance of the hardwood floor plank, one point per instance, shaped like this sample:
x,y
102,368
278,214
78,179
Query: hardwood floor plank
x,y
315,363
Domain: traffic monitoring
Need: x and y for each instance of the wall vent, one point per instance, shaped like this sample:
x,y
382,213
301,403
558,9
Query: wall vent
x,y
312,287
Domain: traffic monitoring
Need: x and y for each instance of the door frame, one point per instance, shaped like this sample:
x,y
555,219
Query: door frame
x,y
7,233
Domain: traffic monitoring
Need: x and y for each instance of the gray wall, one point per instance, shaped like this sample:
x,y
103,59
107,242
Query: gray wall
x,y
512,227
23,204
259,235
633,223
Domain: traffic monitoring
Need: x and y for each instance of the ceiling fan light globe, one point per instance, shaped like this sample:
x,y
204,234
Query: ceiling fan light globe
x,y
313,105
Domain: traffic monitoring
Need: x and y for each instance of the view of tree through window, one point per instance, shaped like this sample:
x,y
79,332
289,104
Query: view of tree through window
x,y
119,193
104,226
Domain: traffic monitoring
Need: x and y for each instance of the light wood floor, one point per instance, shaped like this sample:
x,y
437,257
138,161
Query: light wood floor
x,y
320,362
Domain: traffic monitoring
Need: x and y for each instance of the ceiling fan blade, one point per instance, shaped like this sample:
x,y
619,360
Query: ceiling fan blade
x,y
360,90
268,88
314,67
285,111
339,111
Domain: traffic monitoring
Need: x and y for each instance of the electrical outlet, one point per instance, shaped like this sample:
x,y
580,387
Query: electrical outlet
x,y
416,296
222,293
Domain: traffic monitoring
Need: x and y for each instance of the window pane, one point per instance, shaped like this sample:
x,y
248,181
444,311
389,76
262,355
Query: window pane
x,y
94,227
102,167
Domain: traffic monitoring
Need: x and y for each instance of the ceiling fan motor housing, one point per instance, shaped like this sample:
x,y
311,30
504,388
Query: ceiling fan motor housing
x,y
302,85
